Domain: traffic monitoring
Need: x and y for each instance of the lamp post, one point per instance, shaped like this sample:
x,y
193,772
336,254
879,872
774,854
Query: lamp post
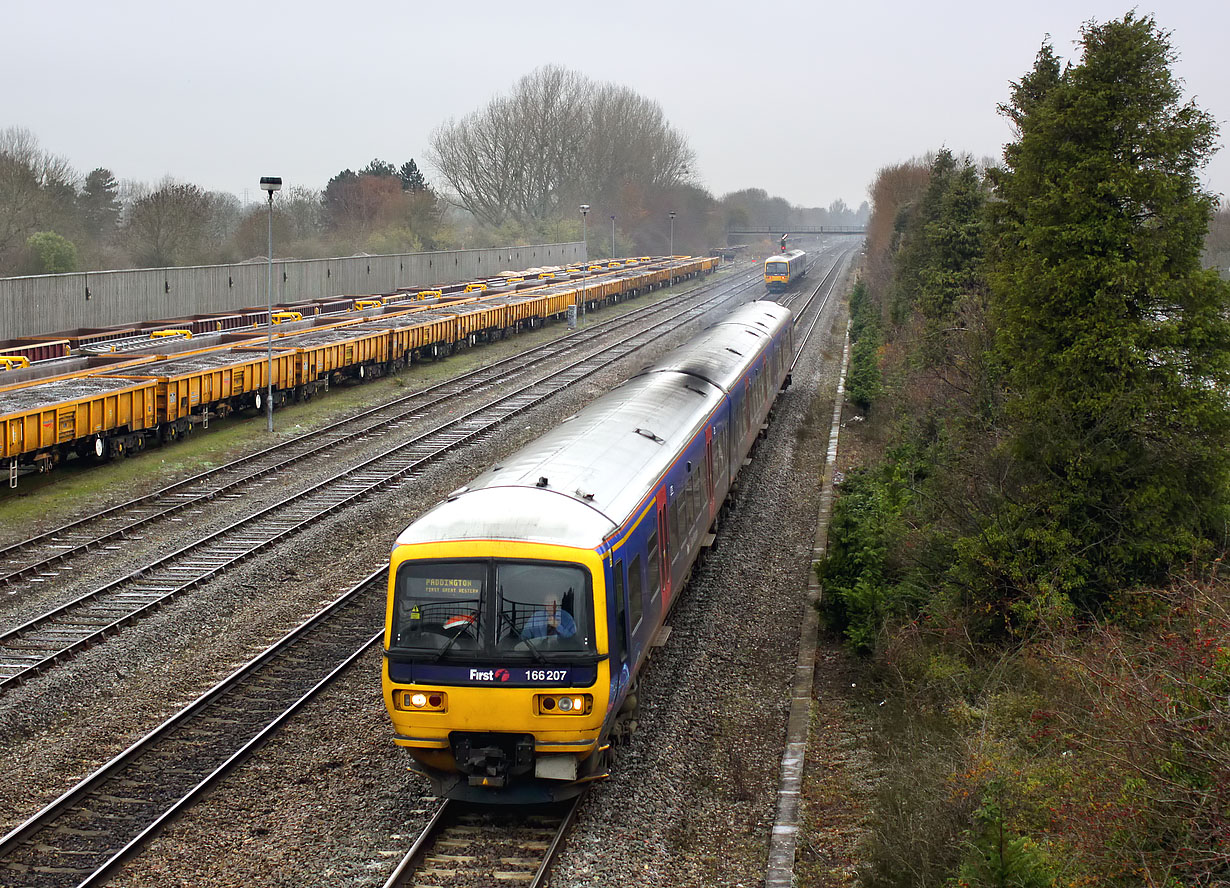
x,y
270,184
612,237
584,213
672,233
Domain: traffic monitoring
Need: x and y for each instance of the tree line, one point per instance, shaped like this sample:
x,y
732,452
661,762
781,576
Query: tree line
x,y
514,171
1031,558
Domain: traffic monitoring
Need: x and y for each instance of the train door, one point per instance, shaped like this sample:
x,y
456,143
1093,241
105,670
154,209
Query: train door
x,y
663,559
619,639
709,489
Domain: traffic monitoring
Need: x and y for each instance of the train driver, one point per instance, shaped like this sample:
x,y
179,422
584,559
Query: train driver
x,y
550,620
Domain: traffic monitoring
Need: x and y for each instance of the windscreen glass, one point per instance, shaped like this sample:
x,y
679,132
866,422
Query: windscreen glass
x,y
447,607
775,268
543,605
437,602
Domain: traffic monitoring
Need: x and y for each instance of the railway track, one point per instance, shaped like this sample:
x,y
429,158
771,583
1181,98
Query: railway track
x,y
84,836
51,638
466,845
42,558
802,321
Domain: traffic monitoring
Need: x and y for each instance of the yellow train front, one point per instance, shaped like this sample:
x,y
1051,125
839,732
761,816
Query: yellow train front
x,y
495,678
783,271
522,608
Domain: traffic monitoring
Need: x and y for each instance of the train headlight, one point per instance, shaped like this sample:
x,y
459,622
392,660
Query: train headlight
x,y
420,701
564,704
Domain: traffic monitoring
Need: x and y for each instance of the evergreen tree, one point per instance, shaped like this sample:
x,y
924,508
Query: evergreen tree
x,y
412,178
338,196
99,203
379,168
941,257
1115,342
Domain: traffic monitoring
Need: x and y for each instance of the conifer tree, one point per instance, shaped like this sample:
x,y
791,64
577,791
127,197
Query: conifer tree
x,y
1115,342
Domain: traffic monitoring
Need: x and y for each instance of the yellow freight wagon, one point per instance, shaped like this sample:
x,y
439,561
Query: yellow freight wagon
x,y
42,425
358,351
193,387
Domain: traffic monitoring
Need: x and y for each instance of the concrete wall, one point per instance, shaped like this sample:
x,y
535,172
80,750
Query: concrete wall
x,y
50,303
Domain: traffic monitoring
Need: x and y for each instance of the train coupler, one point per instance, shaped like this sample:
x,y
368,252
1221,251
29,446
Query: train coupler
x,y
490,759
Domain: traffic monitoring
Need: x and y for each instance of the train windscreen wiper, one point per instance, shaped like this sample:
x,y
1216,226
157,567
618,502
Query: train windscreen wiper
x,y
444,650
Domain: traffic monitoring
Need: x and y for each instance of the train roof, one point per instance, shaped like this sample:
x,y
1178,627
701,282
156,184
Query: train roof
x,y
720,355
792,254
585,478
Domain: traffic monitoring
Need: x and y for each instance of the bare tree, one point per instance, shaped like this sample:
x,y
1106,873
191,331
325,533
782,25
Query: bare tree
x,y
36,188
559,137
167,225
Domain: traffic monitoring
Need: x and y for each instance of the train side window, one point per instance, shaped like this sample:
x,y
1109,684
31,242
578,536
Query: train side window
x,y
655,567
636,586
621,608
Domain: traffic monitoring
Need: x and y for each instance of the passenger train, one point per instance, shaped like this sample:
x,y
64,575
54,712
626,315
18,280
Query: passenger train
x,y
521,609
783,272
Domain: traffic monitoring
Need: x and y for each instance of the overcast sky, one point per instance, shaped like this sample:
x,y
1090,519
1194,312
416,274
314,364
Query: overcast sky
x,y
804,100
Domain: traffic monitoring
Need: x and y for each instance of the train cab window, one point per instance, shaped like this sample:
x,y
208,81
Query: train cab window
x,y
636,590
437,604
542,605
655,567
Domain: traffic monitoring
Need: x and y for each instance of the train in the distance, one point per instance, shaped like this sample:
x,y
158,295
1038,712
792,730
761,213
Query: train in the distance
x,y
521,609
783,271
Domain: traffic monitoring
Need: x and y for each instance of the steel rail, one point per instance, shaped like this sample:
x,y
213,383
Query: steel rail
x,y
474,865
830,278
192,768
